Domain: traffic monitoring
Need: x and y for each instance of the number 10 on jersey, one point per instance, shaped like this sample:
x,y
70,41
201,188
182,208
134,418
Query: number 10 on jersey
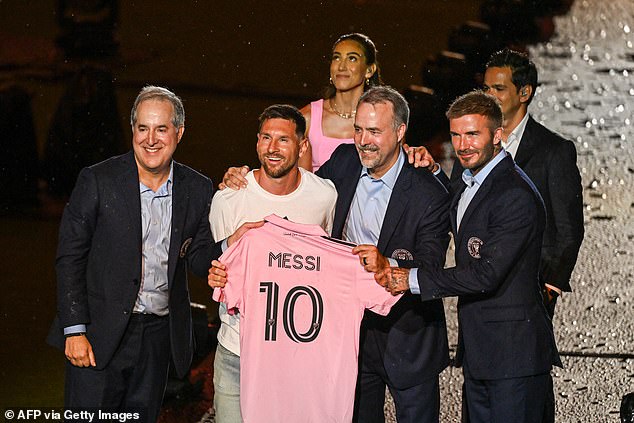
x,y
272,291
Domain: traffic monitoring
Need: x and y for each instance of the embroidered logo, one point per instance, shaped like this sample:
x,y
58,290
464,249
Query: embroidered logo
x,y
473,245
185,247
402,254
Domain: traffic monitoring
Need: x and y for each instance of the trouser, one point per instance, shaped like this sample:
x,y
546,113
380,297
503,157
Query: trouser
x,y
517,400
227,386
134,380
419,403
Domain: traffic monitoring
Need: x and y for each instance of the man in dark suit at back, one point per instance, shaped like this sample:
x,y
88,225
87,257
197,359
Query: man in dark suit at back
x,y
398,212
551,163
505,341
133,226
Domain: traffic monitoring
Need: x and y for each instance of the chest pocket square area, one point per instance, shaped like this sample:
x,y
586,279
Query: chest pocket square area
x,y
185,247
473,246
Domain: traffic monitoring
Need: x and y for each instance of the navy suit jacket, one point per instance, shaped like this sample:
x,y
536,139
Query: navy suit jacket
x,y
550,161
99,255
504,330
414,335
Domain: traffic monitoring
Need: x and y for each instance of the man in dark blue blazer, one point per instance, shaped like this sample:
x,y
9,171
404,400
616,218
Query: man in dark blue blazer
x,y
399,212
550,161
133,227
506,344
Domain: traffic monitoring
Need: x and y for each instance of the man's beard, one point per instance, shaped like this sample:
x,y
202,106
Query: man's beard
x,y
279,171
369,163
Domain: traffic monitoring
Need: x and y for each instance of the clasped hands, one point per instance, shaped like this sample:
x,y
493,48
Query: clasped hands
x,y
394,279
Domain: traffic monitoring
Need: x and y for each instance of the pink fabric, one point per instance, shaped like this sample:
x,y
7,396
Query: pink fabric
x,y
321,145
300,318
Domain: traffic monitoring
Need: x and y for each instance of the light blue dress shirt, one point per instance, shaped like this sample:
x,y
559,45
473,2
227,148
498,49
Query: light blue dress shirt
x,y
369,205
156,224
473,185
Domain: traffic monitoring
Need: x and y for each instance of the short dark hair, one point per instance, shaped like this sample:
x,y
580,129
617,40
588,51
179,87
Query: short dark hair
x,y
387,94
370,54
287,112
477,103
152,92
523,70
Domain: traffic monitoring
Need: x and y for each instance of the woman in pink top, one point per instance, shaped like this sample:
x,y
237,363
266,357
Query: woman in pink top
x,y
329,121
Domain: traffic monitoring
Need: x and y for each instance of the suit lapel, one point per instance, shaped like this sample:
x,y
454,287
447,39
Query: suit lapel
x,y
528,144
454,205
345,193
128,181
396,206
180,199
482,194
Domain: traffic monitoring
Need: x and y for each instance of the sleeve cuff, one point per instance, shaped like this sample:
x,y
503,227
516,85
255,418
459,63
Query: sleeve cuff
x,y
393,262
413,281
224,245
74,329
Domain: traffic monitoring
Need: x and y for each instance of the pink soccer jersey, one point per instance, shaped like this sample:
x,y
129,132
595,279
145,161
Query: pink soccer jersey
x,y
301,298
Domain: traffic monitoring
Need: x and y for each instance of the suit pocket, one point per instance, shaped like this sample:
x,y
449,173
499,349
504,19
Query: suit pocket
x,y
503,313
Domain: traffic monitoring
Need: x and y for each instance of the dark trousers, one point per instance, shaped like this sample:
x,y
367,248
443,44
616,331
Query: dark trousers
x,y
517,400
419,403
135,378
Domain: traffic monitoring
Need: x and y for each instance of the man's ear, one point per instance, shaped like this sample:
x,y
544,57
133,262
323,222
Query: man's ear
x,y
181,130
525,93
303,146
400,131
497,136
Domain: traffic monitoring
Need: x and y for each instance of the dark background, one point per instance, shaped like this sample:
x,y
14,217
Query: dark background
x,y
228,61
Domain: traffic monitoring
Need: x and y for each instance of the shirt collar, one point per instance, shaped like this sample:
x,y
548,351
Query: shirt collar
x,y
516,134
470,179
390,177
166,188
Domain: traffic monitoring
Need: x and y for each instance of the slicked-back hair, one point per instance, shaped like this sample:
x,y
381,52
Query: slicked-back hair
x,y
370,54
152,92
386,94
523,70
477,103
286,112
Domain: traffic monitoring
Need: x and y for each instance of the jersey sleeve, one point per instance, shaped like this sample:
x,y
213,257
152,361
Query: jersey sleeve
x,y
372,295
236,259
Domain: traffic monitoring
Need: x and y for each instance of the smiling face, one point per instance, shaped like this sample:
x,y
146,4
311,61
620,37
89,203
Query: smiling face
x,y
474,141
154,138
377,142
348,66
279,147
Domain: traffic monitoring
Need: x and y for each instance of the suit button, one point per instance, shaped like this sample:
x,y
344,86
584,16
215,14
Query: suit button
x,y
126,312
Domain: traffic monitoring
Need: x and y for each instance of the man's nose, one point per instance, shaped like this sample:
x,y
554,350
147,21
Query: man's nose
x,y
273,146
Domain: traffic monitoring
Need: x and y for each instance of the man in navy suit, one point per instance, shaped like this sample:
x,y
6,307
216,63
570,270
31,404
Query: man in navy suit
x,y
550,161
133,227
398,214
506,344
